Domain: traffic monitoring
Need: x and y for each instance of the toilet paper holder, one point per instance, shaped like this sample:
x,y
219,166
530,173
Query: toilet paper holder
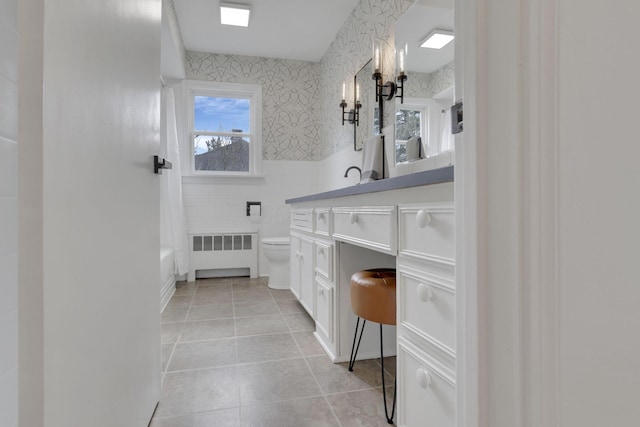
x,y
249,204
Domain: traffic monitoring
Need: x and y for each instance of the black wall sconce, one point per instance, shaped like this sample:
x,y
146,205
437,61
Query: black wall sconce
x,y
383,90
402,77
352,115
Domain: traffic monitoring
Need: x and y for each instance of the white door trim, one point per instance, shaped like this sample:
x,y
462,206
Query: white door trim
x,y
526,192
465,179
540,247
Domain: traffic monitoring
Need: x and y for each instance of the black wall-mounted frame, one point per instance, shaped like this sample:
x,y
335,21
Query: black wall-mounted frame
x,y
364,107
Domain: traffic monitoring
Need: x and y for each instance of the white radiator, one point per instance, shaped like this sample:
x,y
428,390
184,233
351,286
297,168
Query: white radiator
x,y
230,253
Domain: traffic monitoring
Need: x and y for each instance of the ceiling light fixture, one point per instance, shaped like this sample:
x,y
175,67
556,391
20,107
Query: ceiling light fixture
x,y
235,14
437,39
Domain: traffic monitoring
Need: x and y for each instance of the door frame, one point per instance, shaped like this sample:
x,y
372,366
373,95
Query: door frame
x,y
508,305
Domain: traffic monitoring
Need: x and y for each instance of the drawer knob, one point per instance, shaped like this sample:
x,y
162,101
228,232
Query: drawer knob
x,y
424,292
320,250
321,292
321,216
423,377
423,218
353,217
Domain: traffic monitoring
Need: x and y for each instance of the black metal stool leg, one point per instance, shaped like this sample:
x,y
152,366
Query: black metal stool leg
x,y
384,390
354,348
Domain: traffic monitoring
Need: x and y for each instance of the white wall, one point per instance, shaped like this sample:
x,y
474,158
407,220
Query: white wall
x,y
331,170
8,214
219,204
599,207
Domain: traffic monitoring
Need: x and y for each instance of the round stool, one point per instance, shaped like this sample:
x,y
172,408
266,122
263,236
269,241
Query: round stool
x,y
373,298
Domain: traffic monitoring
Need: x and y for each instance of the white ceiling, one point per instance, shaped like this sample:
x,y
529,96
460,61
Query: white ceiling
x,y
289,29
412,27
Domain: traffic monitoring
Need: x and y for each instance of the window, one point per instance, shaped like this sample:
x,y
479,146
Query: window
x,y
225,123
410,122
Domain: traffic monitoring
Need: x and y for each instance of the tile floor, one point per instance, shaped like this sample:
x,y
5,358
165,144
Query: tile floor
x,y
236,353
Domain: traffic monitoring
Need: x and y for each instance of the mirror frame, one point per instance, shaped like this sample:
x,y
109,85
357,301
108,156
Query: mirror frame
x,y
380,114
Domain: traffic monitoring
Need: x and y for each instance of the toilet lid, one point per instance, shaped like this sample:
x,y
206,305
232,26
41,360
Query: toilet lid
x,y
276,241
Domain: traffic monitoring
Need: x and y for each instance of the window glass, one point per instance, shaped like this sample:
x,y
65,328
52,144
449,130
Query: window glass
x,y
408,124
224,128
215,114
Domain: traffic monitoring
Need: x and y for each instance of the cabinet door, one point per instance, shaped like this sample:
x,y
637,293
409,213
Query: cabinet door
x,y
295,266
307,284
324,311
324,260
426,394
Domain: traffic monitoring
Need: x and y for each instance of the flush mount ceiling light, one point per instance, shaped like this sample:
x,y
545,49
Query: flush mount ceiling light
x,y
235,14
437,39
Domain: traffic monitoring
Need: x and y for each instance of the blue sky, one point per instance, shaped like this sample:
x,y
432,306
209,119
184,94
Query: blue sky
x,y
221,114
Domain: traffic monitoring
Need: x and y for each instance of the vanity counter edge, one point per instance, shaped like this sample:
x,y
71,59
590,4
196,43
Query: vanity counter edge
x,y
434,176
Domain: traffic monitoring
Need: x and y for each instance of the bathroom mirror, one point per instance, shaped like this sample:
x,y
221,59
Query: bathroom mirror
x,y
369,116
428,90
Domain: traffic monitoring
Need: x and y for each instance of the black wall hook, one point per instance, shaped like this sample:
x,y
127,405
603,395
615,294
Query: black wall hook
x,y
159,164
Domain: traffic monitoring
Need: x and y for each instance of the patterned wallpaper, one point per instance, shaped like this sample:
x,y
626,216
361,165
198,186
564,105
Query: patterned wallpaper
x,y
351,49
426,85
290,93
301,113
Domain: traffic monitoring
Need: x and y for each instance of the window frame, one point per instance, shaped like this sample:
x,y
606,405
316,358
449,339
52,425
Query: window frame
x,y
423,107
252,92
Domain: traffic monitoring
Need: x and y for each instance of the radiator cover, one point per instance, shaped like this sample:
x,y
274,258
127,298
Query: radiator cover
x,y
223,250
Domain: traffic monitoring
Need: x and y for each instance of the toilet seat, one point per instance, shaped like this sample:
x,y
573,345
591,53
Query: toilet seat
x,y
276,241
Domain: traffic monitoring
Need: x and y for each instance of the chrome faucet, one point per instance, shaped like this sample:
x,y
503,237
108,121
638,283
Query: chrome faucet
x,y
353,167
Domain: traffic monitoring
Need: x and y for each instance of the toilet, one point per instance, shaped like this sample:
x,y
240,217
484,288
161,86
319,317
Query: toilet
x,y
276,250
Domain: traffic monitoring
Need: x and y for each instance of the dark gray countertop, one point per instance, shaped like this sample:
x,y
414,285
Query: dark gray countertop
x,y
434,176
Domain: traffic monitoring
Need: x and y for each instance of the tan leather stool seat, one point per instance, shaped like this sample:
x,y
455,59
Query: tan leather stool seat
x,y
373,295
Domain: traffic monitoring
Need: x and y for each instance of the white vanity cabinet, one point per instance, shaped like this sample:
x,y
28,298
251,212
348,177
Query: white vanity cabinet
x,y
312,269
426,315
302,259
372,227
413,230
302,281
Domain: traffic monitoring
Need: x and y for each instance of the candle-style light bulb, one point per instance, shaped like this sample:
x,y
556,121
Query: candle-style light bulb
x,y
344,90
401,60
377,59
358,92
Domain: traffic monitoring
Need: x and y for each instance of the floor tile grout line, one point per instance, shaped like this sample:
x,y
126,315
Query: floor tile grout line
x,y
182,414
190,304
306,361
290,331
237,364
166,368
249,403
175,343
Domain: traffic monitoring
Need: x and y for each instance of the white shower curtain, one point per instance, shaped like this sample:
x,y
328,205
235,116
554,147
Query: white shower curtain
x,y
446,137
174,206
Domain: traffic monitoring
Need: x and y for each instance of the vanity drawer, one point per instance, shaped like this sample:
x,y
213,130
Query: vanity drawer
x,y
302,219
426,393
324,260
324,310
323,221
427,232
371,227
427,307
